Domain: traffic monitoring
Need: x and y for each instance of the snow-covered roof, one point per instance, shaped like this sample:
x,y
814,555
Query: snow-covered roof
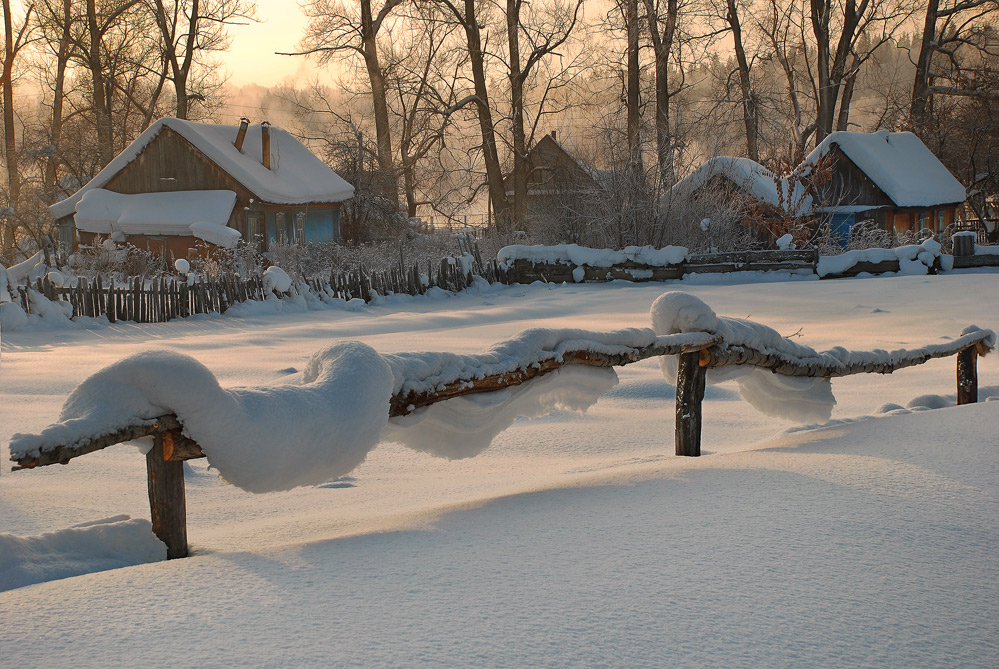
x,y
761,183
296,175
200,213
899,164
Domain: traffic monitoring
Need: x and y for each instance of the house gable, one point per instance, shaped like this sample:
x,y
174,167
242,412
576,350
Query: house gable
x,y
171,163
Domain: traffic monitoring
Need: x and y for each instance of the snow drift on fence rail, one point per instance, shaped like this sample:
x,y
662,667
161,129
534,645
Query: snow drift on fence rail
x,y
799,399
279,437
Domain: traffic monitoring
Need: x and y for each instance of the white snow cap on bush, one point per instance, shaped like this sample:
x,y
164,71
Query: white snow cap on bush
x,y
801,399
276,279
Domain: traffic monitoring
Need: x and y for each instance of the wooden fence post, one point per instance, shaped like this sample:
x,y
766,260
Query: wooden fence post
x,y
967,376
689,395
167,505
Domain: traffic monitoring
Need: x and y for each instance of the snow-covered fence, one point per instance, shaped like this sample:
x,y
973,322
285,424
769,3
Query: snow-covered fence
x,y
570,263
164,298
350,392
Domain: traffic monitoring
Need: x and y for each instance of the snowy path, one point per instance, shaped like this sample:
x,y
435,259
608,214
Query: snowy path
x,y
869,544
856,546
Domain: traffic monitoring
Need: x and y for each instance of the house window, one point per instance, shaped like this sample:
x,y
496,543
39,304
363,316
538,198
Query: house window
x,y
924,219
279,224
253,229
300,227
65,239
941,220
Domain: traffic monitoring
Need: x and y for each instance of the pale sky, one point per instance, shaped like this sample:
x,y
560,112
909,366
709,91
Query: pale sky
x,y
251,58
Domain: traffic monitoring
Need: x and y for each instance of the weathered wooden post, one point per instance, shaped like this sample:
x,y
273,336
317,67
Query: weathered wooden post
x,y
967,375
167,504
689,395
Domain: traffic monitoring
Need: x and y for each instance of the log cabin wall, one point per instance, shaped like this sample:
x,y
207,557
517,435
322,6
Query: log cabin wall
x,y
171,163
848,185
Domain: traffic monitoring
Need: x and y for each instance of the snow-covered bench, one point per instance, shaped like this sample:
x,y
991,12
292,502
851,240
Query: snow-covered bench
x,y
280,437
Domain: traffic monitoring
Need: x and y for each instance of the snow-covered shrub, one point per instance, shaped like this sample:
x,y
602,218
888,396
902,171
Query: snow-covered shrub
x,y
214,261
107,258
308,260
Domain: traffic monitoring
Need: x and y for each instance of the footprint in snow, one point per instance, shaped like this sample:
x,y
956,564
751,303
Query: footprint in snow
x,y
342,482
287,370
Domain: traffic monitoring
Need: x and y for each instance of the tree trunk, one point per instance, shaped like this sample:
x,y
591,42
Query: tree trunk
x,y
494,172
633,89
9,141
58,97
662,45
919,109
379,101
749,113
519,175
102,114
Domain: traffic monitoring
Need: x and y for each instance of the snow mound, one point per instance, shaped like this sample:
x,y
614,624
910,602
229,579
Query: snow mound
x,y
110,543
276,280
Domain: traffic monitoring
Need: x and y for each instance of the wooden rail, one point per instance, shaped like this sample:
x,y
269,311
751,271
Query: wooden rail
x,y
696,354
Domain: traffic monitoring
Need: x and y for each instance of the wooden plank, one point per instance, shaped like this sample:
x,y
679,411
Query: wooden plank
x,y
404,404
167,503
690,379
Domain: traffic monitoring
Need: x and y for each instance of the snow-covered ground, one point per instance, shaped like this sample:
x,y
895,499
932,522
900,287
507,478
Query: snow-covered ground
x,y
576,540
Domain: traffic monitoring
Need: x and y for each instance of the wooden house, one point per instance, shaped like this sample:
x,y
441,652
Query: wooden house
x,y
180,183
888,179
557,183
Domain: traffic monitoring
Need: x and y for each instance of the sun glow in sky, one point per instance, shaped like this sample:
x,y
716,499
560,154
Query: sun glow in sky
x,y
252,57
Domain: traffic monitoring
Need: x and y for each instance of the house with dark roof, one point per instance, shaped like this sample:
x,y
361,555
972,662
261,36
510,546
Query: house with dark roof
x,y
887,179
181,183
556,180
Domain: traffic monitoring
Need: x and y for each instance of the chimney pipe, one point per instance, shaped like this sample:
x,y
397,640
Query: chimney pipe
x,y
553,135
265,144
241,134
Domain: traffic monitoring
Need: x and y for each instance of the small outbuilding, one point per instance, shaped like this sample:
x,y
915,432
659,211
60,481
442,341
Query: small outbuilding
x,y
181,182
888,179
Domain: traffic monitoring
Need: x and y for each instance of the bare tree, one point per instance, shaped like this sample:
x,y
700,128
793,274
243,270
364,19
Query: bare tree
x,y
846,34
544,32
954,44
336,28
190,28
14,41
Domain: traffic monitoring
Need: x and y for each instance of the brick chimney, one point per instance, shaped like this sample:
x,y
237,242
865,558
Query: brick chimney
x,y
241,133
265,144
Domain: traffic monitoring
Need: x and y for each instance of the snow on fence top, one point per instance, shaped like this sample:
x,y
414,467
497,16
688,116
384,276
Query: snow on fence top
x,y
581,255
351,398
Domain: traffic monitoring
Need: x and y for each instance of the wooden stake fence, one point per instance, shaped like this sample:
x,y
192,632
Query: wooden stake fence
x,y
161,299
697,353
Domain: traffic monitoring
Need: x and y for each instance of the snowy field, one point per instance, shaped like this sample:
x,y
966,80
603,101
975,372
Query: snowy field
x,y
573,540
